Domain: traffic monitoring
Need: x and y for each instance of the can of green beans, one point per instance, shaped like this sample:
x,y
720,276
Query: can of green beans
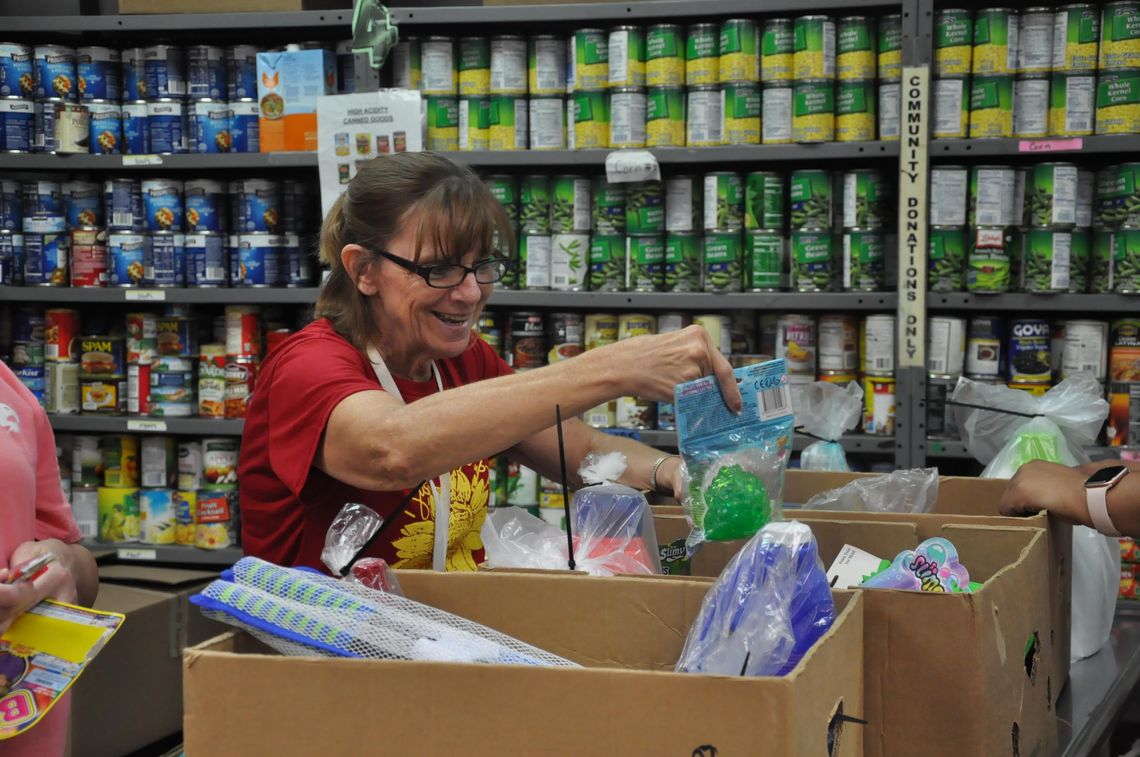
x,y
814,47
627,56
570,204
702,55
855,56
989,259
683,262
1051,195
811,200
763,261
813,261
665,117
1118,196
1076,28
723,201
474,66
813,111
1126,261
683,202
569,260
723,261
1079,261
591,119
741,113
951,101
764,201
1072,110
1120,35
535,205
1103,261
608,207
889,47
1118,101
590,59
474,123
645,208
534,260
645,263
949,193
1048,255
991,107
864,260
946,264
777,50
442,123
855,111
776,114
607,263
992,199
995,41
738,58
504,188
953,42
665,56
862,202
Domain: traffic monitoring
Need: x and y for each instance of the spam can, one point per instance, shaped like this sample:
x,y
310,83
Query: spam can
x,y
953,42
135,127
164,264
162,204
991,107
119,514
165,67
88,245
546,65
245,128
98,69
590,59
210,130
995,42
741,113
1119,35
508,126
256,205
54,70
1072,98
855,117
814,56
889,49
204,200
702,55
626,56
723,261
101,355
813,111
259,262
1118,102
166,126
46,259
739,60
704,120
665,117
206,260
777,50
126,252
177,338
1076,29
665,56
206,71
105,126
1031,106
17,125
856,55
17,77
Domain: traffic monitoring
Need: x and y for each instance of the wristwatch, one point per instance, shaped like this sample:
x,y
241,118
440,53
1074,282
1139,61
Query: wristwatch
x,y
1096,492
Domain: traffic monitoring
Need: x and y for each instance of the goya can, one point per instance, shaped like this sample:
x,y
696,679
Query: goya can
x,y
97,71
989,259
546,65
645,208
856,55
1048,255
626,57
863,195
777,50
813,111
813,261
475,123
683,261
764,201
953,42
814,56
951,108
704,119
1030,346
991,107
437,57
946,263
442,123
1072,111
1118,102
741,113
763,260
508,65
776,114
547,123
535,204
590,59
645,263
1035,41
723,261
665,56
474,66
1076,29
739,60
702,55
607,263
627,117
723,201
591,120
1119,35
811,200
508,127
608,213
1031,106
570,204
1051,195
17,76
995,42
889,47
855,111
665,117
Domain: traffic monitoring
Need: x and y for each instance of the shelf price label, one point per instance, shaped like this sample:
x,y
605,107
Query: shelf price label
x,y
146,426
144,295
142,160
632,165
137,554
912,216
1050,145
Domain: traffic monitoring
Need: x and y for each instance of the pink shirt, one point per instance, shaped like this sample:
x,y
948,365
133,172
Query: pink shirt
x,y
32,507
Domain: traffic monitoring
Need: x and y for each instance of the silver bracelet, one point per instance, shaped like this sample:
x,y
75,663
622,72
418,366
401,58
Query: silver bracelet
x,y
653,472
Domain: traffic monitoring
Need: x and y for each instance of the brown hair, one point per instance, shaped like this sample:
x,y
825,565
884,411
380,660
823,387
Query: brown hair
x,y
453,208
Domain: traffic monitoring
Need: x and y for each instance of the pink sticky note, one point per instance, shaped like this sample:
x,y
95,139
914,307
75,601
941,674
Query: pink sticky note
x,y
1050,145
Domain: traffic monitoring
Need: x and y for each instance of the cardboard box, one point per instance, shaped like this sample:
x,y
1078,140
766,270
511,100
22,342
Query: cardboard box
x,y
130,696
288,85
228,6
628,632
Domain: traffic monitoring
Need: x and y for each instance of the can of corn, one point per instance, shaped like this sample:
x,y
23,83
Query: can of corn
x,y
665,117
608,207
951,108
570,207
813,111
644,264
738,58
862,199
813,263
953,42
993,197
683,262
1076,29
474,123
1118,102
1048,254
607,263
764,201
946,262
645,208
811,200
723,261
989,259
723,201
1035,32
1051,195
1031,105
508,65
741,113
474,66
763,260
665,56
535,205
890,123
627,56
702,55
442,123
1103,261
546,65
508,129
814,47
777,50
1126,261
889,47
683,204
627,117
855,110
1071,98
776,114
864,260
1079,261
704,117
591,119
437,56
995,41
855,55
547,122
991,107
407,64
590,54
1120,35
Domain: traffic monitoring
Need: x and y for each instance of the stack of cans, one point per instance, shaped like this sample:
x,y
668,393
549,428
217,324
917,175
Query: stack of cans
x,y
28,348
242,357
63,356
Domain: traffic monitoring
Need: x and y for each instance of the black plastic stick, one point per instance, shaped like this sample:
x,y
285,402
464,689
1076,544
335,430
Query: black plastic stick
x,y
565,489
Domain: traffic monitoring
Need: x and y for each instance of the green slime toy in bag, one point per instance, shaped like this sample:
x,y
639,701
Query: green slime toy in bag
x,y
734,464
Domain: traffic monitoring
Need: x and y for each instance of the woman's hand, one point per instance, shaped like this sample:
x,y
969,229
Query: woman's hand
x,y
1039,485
54,583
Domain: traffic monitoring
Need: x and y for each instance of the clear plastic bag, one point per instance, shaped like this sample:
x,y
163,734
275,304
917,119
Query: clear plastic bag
x,y
826,411
350,531
1096,578
734,464
901,491
767,608
374,573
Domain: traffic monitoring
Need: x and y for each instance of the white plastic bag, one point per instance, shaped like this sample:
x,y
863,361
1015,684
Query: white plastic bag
x,y
1096,578
826,411
901,491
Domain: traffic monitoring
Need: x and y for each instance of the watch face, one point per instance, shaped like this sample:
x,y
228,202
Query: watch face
x,y
1105,475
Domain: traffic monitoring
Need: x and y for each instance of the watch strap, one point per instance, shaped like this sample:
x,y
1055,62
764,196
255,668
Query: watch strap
x,y
1098,510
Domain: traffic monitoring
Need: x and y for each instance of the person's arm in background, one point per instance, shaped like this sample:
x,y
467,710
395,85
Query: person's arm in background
x,y
1039,485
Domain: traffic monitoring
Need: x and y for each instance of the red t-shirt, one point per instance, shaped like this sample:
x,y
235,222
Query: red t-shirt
x,y
287,504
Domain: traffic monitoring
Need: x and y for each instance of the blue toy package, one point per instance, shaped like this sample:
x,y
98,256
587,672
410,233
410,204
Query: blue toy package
x,y
734,463
767,608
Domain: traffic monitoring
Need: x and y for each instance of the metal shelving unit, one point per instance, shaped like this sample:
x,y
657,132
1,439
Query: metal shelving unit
x,y
784,301
1035,149
166,553
250,296
123,424
1031,303
251,161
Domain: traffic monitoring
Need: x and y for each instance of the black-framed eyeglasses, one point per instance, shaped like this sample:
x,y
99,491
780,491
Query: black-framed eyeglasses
x,y
448,275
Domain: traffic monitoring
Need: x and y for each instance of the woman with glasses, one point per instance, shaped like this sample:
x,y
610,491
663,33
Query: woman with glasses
x,y
389,399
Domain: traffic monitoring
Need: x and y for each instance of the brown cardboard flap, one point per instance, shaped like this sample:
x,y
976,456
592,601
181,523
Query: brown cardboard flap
x,y
152,576
126,599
